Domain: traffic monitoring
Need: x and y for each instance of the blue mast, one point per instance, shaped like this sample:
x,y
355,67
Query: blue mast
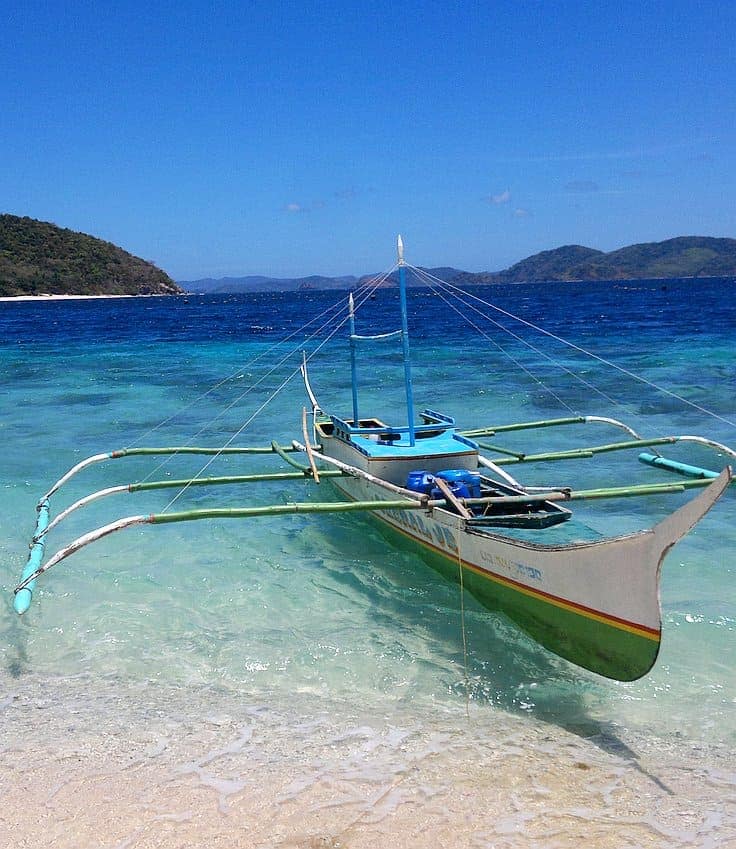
x,y
353,372
403,333
405,342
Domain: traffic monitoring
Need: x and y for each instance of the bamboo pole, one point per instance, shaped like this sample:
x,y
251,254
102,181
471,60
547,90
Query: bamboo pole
x,y
452,499
134,452
176,484
255,478
308,446
589,494
281,510
576,453
187,449
214,513
290,460
490,431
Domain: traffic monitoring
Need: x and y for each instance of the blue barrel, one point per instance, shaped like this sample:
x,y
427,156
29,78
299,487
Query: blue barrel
x,y
457,488
471,481
420,481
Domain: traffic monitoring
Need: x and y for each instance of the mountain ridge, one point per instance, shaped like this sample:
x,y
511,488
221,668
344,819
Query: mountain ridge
x,y
682,256
38,257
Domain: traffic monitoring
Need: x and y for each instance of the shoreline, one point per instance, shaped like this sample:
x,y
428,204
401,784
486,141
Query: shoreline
x,y
49,297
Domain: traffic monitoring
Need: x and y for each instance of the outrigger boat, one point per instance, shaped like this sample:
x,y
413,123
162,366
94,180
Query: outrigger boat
x,y
594,602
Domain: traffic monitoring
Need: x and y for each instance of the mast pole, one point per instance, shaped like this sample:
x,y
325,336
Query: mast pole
x,y
405,341
353,370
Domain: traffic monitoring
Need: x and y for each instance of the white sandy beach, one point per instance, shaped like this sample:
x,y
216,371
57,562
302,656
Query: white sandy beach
x,y
203,776
66,297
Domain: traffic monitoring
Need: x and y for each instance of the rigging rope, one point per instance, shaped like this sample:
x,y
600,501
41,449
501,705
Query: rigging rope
x,y
366,291
496,344
242,368
331,312
518,363
580,349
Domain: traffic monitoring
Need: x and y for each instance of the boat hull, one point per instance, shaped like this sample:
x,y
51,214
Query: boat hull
x,y
595,604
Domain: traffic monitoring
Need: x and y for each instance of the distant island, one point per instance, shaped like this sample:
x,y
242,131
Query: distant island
x,y
38,258
685,256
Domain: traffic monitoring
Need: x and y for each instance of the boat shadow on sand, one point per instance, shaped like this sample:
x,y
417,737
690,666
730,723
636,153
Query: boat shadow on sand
x,y
479,656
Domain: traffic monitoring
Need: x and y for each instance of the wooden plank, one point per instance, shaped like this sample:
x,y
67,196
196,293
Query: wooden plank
x,y
452,498
308,446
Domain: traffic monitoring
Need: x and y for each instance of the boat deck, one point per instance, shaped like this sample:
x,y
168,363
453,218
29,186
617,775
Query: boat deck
x,y
445,443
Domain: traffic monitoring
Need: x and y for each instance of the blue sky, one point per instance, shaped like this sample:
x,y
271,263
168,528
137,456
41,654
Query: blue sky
x,y
295,138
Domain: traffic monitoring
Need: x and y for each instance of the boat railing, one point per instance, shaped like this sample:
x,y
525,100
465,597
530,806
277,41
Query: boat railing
x,y
341,426
433,417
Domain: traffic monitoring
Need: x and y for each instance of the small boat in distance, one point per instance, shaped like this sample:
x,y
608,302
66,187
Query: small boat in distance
x,y
429,484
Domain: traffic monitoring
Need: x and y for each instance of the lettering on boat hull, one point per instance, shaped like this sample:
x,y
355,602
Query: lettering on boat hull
x,y
553,603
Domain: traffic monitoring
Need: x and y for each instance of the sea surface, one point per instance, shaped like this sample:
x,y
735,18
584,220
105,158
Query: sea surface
x,y
299,682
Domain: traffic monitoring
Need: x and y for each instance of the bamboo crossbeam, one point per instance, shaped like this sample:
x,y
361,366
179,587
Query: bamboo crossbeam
x,y
29,577
176,484
281,510
290,460
498,450
140,452
490,431
590,494
231,479
578,453
131,452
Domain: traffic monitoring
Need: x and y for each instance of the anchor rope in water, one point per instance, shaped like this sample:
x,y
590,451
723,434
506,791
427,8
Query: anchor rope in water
x,y
463,630
582,350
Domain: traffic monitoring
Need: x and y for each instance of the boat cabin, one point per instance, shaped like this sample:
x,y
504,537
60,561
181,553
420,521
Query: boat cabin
x,y
388,452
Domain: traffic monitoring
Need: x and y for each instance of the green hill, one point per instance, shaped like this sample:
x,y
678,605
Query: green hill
x,y
552,265
40,258
685,256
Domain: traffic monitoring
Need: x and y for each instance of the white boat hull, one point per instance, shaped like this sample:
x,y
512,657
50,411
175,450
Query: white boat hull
x,y
594,603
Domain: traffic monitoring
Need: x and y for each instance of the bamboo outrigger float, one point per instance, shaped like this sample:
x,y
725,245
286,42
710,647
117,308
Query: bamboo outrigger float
x,y
593,602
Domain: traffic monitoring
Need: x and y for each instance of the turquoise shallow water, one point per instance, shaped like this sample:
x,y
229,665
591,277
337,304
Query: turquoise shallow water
x,y
316,621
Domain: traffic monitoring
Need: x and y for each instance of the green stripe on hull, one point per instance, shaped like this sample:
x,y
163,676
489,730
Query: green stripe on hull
x,y
614,651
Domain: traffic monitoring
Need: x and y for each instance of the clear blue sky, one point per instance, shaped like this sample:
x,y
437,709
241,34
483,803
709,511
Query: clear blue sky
x,y
295,138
